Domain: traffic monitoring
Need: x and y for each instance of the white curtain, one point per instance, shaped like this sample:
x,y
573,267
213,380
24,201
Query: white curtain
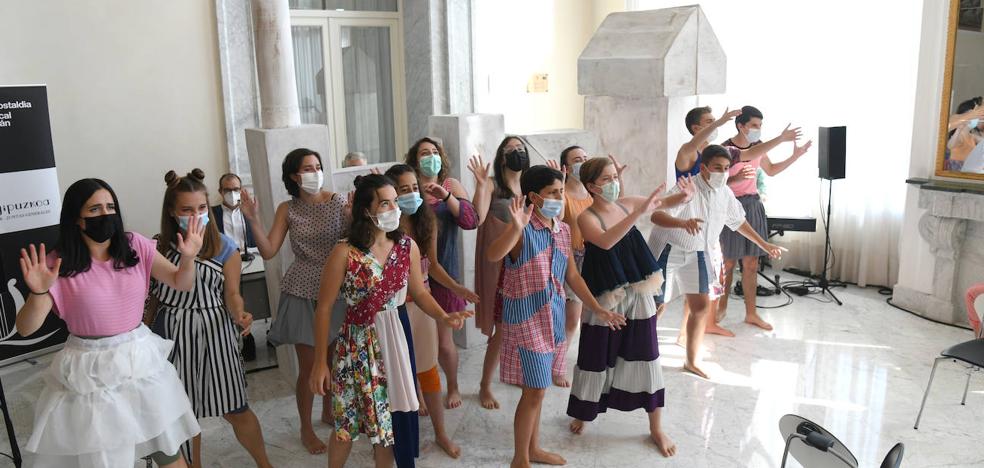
x,y
368,92
309,72
828,63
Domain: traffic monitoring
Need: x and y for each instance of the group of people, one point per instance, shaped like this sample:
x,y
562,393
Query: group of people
x,y
375,290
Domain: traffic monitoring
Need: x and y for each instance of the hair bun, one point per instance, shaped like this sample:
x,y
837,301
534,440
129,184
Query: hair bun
x,y
171,178
197,174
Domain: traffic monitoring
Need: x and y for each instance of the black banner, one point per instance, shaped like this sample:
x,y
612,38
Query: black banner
x,y
29,208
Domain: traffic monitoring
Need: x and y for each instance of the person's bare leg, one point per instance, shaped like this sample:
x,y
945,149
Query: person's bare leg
x,y
422,410
572,310
695,331
523,422
326,416
537,454
711,327
749,284
666,446
179,463
447,356
488,370
305,399
382,456
250,435
196,451
338,452
682,335
729,277
433,401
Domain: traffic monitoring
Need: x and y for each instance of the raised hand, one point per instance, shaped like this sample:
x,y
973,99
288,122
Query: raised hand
x,y
653,202
747,172
466,294
456,320
249,206
801,150
618,167
245,321
435,191
520,212
34,267
686,185
613,320
480,169
375,171
728,115
790,134
555,165
692,226
190,243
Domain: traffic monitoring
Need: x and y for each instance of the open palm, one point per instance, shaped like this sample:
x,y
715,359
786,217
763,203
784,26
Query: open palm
x,y
37,275
520,212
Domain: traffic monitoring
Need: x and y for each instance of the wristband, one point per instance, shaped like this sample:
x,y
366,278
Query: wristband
x,y
446,197
38,294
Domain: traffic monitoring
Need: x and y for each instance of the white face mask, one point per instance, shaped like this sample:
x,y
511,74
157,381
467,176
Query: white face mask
x,y
311,181
754,135
718,179
231,199
387,221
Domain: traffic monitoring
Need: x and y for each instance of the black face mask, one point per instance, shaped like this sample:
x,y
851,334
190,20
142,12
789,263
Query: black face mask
x,y
101,228
517,160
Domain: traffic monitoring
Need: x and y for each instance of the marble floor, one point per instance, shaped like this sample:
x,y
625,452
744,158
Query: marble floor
x,y
859,370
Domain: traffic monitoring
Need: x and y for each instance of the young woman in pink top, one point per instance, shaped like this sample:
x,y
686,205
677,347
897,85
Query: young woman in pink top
x,y
111,396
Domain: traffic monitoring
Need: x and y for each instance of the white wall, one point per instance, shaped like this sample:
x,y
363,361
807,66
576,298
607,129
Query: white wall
x,y
133,90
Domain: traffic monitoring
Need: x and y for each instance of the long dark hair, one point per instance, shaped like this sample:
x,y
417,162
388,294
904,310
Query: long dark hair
x,y
361,231
423,222
73,251
292,164
190,183
412,161
502,189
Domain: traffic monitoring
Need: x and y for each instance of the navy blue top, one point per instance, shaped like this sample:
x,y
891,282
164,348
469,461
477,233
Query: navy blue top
x,y
693,171
629,261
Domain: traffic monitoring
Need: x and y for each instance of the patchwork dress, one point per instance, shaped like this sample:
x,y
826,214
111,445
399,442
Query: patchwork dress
x,y
533,312
373,372
619,369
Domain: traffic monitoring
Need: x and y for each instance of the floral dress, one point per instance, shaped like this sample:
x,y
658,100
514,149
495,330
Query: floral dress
x,y
372,374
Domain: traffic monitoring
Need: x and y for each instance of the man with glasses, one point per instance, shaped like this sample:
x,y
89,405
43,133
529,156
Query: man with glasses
x,y
228,217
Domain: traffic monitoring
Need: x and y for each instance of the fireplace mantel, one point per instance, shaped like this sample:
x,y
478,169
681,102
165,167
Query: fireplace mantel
x,y
954,213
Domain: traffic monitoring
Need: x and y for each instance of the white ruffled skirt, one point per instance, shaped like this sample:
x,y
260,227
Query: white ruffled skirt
x,y
110,401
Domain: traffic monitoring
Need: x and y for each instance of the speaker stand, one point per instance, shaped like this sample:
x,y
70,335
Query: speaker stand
x,y
822,282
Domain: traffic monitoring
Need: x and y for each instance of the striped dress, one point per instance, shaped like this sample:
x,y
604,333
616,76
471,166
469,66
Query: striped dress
x,y
533,312
206,351
619,369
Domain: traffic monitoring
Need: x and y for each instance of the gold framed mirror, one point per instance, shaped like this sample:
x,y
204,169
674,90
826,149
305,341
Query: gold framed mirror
x,y
960,152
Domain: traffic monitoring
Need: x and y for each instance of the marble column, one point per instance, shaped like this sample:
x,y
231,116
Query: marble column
x,y
462,136
640,73
275,64
437,41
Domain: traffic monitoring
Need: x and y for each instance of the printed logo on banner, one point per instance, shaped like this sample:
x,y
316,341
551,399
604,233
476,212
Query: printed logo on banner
x,y
29,200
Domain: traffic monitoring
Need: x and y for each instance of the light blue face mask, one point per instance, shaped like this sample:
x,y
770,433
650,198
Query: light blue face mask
x,y
409,202
552,208
610,191
972,123
430,166
576,170
183,221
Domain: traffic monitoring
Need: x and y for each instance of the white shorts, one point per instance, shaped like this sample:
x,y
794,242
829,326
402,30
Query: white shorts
x,y
691,272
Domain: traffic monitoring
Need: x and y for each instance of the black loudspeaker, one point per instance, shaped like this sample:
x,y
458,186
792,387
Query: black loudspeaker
x,y
833,149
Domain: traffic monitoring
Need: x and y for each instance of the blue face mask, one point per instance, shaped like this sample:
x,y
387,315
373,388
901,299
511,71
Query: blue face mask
x,y
576,170
972,123
430,166
551,208
409,202
183,221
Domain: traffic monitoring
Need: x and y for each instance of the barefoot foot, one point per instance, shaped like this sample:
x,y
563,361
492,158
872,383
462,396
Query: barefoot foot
x,y
561,381
688,367
715,329
448,446
545,457
452,400
312,443
487,399
666,446
758,322
577,426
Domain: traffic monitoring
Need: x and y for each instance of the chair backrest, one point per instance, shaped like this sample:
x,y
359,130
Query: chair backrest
x,y
978,307
894,457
